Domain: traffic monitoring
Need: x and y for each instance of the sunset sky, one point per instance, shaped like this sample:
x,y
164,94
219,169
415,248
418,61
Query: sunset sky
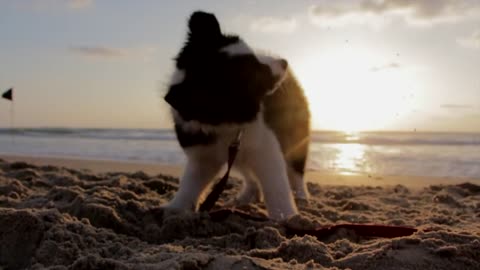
x,y
365,65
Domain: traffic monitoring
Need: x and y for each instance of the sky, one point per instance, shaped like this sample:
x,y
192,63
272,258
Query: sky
x,y
364,65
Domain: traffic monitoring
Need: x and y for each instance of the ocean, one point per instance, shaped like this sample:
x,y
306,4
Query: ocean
x,y
445,155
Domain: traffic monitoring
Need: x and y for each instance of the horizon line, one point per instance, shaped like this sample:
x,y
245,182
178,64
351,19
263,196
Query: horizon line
x,y
171,129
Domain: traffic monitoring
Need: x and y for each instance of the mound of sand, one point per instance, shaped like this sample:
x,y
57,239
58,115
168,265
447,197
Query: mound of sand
x,y
60,218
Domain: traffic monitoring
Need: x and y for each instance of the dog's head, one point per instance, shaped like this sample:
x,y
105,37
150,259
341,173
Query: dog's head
x,y
219,79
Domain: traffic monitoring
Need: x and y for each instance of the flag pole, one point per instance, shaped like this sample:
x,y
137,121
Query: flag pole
x,y
12,118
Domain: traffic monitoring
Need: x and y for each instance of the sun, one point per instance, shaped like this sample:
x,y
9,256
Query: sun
x,y
354,90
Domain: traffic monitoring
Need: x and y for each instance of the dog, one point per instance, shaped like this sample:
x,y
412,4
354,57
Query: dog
x,y
221,86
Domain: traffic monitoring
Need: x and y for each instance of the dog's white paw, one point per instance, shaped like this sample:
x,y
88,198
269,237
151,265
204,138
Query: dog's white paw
x,y
179,205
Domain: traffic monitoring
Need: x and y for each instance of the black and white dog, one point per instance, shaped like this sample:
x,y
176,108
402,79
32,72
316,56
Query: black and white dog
x,y
221,86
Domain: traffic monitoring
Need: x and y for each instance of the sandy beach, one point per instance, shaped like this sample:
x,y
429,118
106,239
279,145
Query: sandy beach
x,y
323,178
60,213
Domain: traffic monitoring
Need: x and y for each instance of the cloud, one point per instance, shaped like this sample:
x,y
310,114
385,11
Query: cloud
x,y
46,5
391,65
472,41
144,52
98,51
274,25
456,106
79,4
413,12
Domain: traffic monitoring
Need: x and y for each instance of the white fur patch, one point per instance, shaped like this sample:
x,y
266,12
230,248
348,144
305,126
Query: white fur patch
x,y
241,48
273,63
277,69
195,126
237,48
177,77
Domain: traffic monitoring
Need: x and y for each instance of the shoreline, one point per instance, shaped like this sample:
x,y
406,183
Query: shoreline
x,y
96,165
322,178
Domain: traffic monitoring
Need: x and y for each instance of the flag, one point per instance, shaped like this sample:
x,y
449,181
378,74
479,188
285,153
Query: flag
x,y
8,94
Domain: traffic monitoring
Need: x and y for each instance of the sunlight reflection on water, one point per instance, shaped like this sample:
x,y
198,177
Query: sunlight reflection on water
x,y
349,158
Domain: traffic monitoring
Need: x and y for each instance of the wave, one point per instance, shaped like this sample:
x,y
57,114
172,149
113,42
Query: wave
x,y
398,138
106,134
325,137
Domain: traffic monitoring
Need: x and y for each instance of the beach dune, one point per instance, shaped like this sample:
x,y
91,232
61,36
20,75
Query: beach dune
x,y
76,214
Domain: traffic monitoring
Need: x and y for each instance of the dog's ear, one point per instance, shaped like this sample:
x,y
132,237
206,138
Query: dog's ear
x,y
204,26
176,96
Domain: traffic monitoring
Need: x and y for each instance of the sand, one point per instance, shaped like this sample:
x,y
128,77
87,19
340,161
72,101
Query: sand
x,y
57,217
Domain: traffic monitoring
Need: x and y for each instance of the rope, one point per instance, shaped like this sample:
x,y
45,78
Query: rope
x,y
220,186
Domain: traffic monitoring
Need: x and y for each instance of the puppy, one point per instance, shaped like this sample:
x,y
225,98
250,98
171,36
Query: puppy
x,y
221,86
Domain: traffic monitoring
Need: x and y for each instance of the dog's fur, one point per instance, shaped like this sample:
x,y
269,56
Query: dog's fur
x,y
221,86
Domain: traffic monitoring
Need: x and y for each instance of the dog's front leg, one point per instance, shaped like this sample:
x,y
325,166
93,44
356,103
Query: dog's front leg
x,y
269,166
196,177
